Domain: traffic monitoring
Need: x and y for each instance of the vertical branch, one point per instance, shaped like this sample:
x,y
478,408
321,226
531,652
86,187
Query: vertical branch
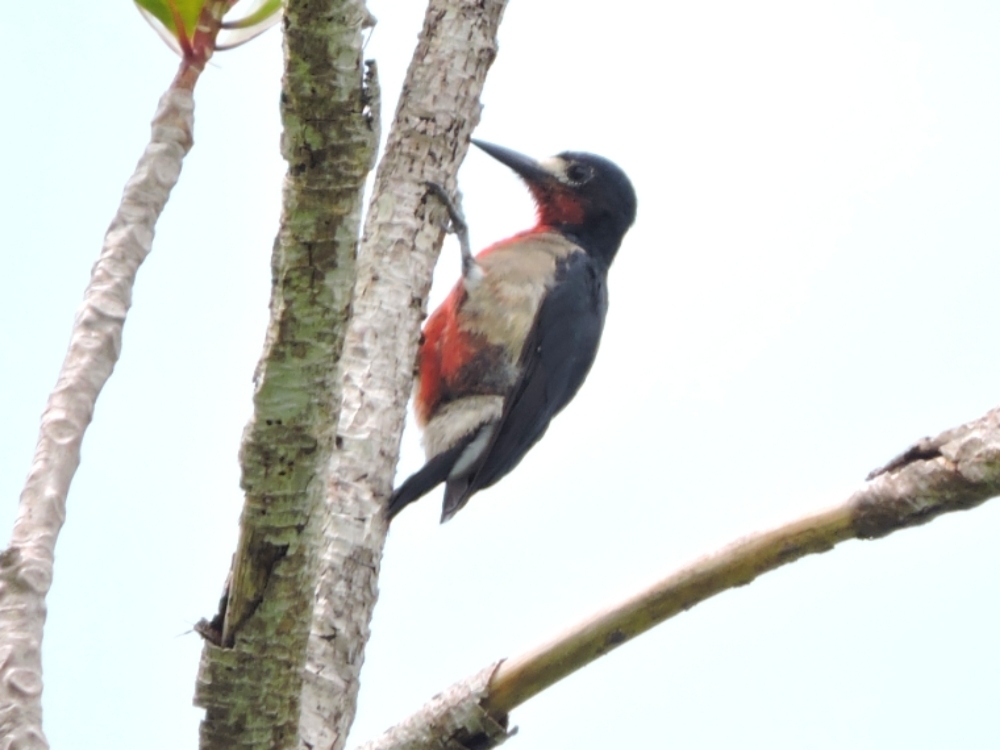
x,y
250,679
94,348
437,113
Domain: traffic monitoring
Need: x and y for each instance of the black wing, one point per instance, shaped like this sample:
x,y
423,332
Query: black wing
x,y
555,361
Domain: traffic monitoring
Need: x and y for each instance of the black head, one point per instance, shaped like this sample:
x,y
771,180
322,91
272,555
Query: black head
x,y
582,195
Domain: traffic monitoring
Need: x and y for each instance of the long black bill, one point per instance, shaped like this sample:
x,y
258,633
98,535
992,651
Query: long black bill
x,y
525,166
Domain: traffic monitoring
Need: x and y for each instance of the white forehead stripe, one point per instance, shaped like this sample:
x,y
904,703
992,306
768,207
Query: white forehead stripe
x,y
555,167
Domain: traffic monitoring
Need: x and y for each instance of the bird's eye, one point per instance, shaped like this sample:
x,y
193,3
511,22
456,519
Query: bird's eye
x,y
577,174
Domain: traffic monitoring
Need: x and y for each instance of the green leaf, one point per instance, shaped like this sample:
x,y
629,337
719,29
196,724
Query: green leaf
x,y
178,17
264,14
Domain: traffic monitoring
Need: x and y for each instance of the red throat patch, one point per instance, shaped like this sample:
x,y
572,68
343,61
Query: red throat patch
x,y
557,205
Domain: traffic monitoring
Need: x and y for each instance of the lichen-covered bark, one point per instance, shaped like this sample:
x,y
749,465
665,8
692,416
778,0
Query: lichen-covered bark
x,y
95,344
438,111
250,680
957,470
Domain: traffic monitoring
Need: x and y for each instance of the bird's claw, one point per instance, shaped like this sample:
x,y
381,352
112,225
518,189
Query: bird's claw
x,y
455,215
458,226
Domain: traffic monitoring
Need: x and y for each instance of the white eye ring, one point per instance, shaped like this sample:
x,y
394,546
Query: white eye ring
x,y
567,172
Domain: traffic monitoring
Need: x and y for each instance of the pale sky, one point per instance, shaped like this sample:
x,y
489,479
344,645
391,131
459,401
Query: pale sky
x,y
810,286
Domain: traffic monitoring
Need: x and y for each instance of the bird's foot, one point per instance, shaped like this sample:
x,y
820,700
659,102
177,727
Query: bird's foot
x,y
455,214
458,225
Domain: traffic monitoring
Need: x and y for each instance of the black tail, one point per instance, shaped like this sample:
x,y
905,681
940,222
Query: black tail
x,y
456,495
434,472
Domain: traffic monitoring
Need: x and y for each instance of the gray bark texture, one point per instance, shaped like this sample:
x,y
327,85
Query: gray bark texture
x,y
94,348
453,720
250,679
438,110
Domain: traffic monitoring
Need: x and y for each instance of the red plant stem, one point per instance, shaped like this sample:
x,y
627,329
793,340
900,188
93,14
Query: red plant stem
x,y
198,49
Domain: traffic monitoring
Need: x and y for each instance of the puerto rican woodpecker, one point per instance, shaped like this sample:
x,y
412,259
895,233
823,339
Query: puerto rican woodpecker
x,y
514,340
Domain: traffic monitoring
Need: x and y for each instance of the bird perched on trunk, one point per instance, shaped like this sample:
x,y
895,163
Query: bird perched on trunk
x,y
515,338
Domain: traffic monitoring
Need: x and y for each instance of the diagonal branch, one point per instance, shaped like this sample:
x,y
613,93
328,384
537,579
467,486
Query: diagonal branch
x,y
961,472
94,348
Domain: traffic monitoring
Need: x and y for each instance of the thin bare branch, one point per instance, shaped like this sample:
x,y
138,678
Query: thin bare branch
x,y
965,473
961,472
94,348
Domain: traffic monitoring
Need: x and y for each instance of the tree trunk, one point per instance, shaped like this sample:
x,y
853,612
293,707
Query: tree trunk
x,y
250,680
437,113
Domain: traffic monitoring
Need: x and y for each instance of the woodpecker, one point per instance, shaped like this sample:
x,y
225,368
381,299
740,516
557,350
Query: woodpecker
x,y
514,340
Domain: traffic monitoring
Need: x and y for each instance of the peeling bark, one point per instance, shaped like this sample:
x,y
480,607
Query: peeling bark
x,y
452,720
437,113
250,680
94,348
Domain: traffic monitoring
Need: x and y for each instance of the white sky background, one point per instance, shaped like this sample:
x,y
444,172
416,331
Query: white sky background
x,y
810,286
